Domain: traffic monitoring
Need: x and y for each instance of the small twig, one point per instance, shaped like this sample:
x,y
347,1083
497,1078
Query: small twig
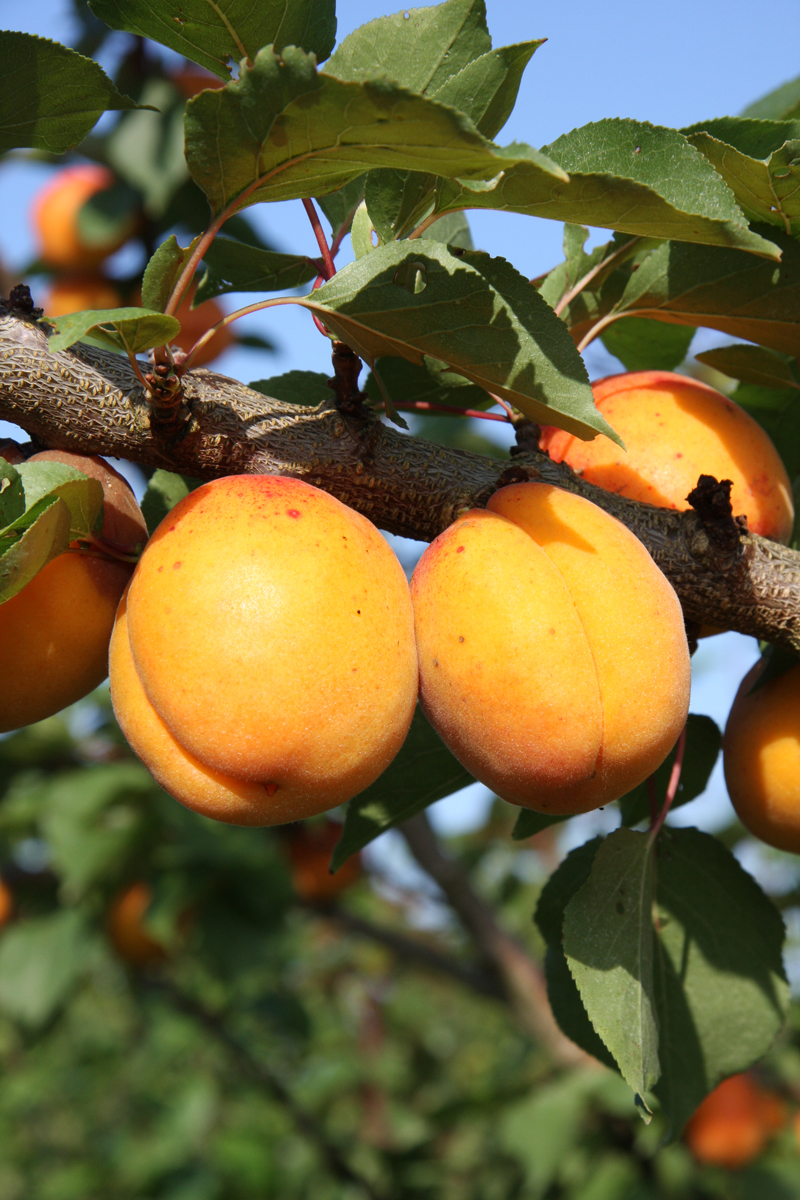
x,y
426,406
234,316
569,296
426,224
672,787
597,329
322,241
507,409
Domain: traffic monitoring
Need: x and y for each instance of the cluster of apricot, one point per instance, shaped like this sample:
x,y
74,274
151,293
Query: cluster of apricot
x,y
734,1123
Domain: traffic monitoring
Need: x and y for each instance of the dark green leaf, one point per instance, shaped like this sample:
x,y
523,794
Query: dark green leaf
x,y
162,272
529,823
236,267
214,34
131,329
777,661
644,345
406,381
752,364
109,217
568,1009
728,290
567,879
608,941
50,96
486,88
164,490
296,387
422,772
420,48
283,131
340,206
720,987
778,412
146,149
397,199
490,326
781,104
38,536
12,494
83,496
452,230
41,960
703,742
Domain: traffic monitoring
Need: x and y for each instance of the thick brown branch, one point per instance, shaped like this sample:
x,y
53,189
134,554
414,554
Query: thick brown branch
x,y
89,400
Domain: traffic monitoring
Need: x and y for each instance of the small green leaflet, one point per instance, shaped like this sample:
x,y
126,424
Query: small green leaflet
x,y
162,272
164,490
486,89
213,34
30,543
236,267
50,96
422,772
473,312
283,131
131,329
753,364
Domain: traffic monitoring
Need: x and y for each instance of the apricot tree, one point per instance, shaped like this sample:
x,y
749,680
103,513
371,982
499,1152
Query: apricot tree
x,y
663,955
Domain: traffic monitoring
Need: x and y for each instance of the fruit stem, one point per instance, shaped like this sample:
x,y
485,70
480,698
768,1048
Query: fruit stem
x,y
425,406
672,787
327,259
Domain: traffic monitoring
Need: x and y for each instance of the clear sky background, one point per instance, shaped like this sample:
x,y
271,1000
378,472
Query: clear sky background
x,y
669,63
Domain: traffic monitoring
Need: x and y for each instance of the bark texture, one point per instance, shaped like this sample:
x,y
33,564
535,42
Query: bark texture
x,y
89,401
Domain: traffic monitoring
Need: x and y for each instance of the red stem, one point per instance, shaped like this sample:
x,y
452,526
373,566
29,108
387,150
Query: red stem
x,y
672,786
322,241
451,408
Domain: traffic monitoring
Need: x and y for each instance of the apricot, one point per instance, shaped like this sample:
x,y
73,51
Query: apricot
x,y
310,848
126,929
6,903
54,634
55,218
192,79
263,666
553,656
79,293
761,757
733,1124
676,429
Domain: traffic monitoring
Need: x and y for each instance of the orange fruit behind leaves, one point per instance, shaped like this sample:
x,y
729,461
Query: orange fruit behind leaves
x,y
310,848
55,218
80,293
733,1124
6,903
128,935
195,322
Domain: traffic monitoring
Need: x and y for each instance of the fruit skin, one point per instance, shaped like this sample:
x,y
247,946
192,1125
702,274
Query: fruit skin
x,y
6,903
270,628
55,218
553,656
761,757
310,848
675,429
79,293
733,1124
126,931
54,634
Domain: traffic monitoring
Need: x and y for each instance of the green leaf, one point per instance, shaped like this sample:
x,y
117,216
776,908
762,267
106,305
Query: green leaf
x,y
608,941
236,267
146,149
130,329
164,490
781,104
83,496
405,380
284,131
340,206
397,199
625,175
703,743
213,34
12,494
529,823
644,345
422,772
162,272
41,961
452,230
50,96
721,992
420,48
759,161
752,364
568,1010
38,536
778,412
568,878
545,1130
296,387
486,88
473,312
728,290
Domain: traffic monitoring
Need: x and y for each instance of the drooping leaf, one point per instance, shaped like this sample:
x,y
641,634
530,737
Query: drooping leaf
x,y
567,879
486,88
214,34
236,267
473,312
41,961
422,772
131,329
296,387
83,496
721,992
420,48
284,131
12,494
164,490
608,941
405,381
753,364
34,539
162,272
644,345
779,105
529,823
759,161
50,96
703,743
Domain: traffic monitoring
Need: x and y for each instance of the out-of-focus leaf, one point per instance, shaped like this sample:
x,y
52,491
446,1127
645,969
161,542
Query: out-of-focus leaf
x,y
41,961
644,345
50,96
164,490
703,742
529,823
779,105
777,410
296,387
236,267
145,149
131,329
753,364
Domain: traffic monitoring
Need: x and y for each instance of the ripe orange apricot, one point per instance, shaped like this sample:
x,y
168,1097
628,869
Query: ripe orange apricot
x,y
55,218
6,903
310,848
54,634
79,293
733,1124
553,656
761,757
126,931
676,429
192,79
263,666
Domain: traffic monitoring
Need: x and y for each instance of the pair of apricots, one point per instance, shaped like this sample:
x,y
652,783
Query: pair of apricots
x,y
267,655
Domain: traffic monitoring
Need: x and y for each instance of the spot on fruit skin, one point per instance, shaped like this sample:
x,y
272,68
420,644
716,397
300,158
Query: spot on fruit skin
x,y
293,512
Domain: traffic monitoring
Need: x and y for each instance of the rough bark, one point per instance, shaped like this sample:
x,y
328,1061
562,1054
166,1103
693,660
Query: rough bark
x,y
89,400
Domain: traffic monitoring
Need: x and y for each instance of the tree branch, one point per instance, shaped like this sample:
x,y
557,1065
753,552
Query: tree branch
x,y
88,400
